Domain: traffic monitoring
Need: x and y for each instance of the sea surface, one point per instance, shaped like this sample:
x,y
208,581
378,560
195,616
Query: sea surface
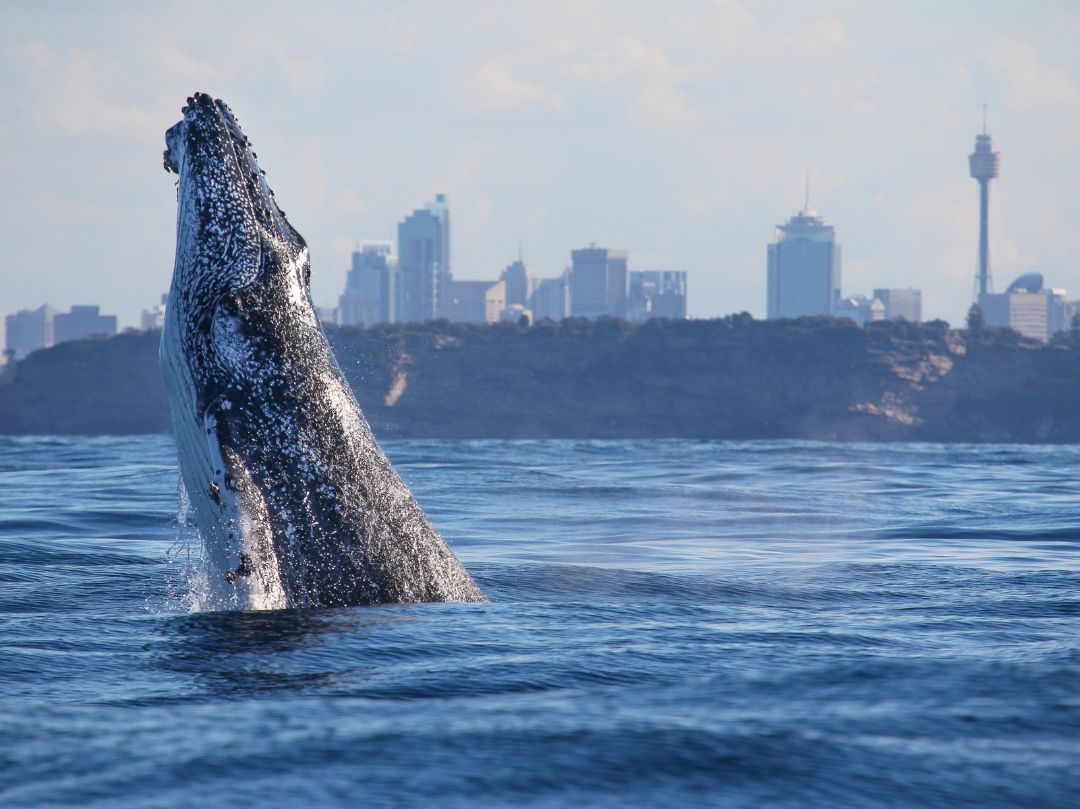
x,y
672,623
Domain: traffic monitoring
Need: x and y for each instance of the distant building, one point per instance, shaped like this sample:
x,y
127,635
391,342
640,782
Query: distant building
x,y
598,282
468,301
1059,311
424,263
154,317
1028,308
901,304
803,268
515,311
494,302
370,289
860,308
82,322
657,293
521,283
984,164
328,314
552,298
28,331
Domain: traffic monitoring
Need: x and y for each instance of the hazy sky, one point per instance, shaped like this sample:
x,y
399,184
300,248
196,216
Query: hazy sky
x,y
680,131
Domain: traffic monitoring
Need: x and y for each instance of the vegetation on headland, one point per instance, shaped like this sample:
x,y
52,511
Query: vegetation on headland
x,y
732,377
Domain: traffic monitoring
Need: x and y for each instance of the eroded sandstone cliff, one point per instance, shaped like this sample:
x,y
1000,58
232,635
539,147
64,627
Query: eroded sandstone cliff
x,y
732,377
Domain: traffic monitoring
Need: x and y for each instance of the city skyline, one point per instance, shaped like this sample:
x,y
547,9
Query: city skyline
x,y
416,284
681,135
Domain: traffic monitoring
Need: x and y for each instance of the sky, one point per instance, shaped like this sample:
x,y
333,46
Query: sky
x,y
680,131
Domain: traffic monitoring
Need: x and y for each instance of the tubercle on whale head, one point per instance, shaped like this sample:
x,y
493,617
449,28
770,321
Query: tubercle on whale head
x,y
176,135
208,121
222,192
207,146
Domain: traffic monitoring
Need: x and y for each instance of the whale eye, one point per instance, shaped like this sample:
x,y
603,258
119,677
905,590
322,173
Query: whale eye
x,y
230,304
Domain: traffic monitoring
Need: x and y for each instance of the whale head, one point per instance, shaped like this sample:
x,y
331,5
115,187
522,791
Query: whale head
x,y
226,210
235,248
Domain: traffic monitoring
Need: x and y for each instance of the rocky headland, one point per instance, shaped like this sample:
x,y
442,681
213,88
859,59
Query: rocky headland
x,y
729,378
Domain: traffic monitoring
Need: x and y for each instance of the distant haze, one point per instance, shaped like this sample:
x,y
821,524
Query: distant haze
x,y
679,131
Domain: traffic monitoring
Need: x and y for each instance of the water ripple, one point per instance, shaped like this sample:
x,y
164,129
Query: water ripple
x,y
672,623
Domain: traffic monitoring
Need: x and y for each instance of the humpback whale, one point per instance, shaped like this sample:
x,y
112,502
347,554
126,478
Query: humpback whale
x,y
296,504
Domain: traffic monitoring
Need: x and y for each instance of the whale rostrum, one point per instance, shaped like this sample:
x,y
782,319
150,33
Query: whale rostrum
x,y
296,504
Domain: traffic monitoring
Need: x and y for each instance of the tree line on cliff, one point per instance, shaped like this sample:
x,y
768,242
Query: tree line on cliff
x,y
724,378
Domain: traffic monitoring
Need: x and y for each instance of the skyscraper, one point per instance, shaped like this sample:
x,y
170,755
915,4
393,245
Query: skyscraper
x,y
803,267
984,164
598,282
28,331
657,293
521,283
424,262
550,298
370,289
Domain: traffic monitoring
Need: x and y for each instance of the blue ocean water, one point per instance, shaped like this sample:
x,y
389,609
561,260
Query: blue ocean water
x,y
672,623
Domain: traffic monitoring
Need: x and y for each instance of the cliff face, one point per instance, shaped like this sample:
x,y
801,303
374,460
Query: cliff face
x,y
727,378
87,387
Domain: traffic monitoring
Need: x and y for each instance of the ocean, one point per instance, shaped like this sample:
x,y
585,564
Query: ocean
x,y
671,623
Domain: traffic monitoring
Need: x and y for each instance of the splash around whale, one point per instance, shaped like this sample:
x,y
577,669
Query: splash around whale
x,y
296,504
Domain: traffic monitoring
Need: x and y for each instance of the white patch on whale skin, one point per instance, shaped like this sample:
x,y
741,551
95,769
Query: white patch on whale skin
x,y
227,529
227,526
248,533
196,469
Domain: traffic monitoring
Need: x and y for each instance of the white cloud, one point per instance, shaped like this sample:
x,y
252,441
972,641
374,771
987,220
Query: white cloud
x,y
492,87
1027,80
70,91
662,105
642,76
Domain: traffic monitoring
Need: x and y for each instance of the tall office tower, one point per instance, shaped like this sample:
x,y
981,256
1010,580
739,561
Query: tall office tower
x,y
901,304
598,282
82,322
28,331
657,293
370,288
424,262
521,283
551,299
803,268
984,164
